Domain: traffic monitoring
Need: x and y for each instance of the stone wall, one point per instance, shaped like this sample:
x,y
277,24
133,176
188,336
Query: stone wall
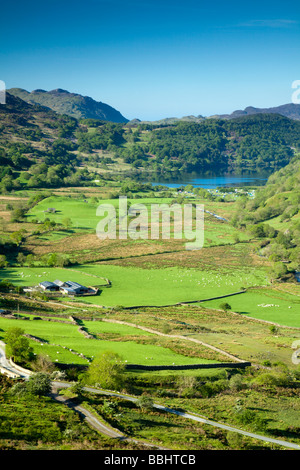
x,y
228,365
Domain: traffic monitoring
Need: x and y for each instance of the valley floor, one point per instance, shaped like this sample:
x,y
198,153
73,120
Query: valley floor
x,y
158,305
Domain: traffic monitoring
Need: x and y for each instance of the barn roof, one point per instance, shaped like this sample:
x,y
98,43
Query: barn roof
x,y
59,283
74,285
47,284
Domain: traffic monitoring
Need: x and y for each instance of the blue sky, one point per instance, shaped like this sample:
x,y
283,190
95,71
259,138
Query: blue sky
x,y
155,59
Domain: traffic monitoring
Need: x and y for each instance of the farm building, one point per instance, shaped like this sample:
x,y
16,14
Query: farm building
x,y
48,286
73,288
59,283
4,312
67,287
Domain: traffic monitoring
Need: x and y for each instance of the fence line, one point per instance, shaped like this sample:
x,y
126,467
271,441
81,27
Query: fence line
x,y
185,302
228,365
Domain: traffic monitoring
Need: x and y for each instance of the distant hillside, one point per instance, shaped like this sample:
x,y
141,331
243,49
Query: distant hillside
x,y
21,122
37,147
249,143
169,120
71,104
42,148
291,111
273,216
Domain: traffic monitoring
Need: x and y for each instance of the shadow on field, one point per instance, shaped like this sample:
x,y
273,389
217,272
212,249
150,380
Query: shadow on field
x,y
291,433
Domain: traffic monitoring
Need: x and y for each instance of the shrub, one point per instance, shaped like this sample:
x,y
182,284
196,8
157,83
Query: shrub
x,y
274,329
145,403
266,363
106,371
279,378
266,378
246,416
109,408
19,389
225,306
42,363
235,440
39,384
250,417
236,382
209,389
17,346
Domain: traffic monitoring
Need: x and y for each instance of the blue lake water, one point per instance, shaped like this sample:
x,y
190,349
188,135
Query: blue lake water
x,y
209,181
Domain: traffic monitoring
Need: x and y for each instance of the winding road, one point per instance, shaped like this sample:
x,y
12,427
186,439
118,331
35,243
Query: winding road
x,y
95,422
6,365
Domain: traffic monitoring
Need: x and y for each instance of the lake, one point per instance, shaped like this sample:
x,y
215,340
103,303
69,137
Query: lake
x,y
212,181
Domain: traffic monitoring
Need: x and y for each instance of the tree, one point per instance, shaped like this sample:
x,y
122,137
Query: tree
x,y
30,260
55,259
19,388
236,382
3,261
274,329
18,237
17,346
77,390
39,384
21,259
145,403
106,371
225,306
67,223
52,259
278,270
18,214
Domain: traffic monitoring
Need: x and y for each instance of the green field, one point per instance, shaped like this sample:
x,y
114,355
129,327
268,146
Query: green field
x,y
33,276
135,286
265,304
80,210
58,339
82,213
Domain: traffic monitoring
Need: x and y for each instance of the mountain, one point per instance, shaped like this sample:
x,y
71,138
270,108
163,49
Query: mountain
x,y
22,122
84,107
33,136
171,120
291,111
71,104
40,148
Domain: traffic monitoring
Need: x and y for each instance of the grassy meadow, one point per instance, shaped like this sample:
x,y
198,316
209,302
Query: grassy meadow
x,y
153,273
134,286
158,304
265,304
64,343
82,212
142,272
